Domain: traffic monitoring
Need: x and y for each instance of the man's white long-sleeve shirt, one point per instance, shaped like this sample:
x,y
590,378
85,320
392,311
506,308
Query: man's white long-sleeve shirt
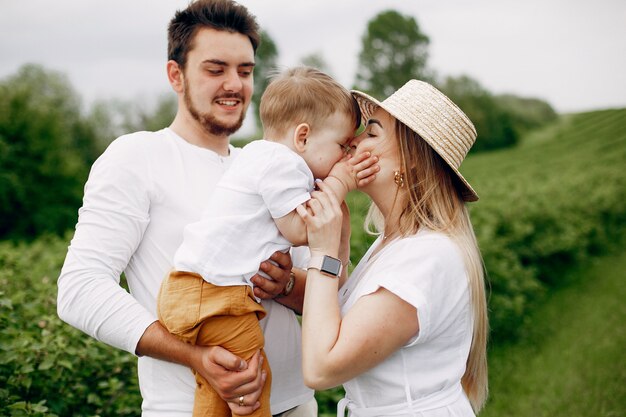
x,y
140,195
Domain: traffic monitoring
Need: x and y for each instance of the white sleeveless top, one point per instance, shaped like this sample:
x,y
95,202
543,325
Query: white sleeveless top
x,y
423,378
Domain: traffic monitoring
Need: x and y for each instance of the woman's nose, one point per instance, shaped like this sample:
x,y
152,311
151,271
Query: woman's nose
x,y
356,140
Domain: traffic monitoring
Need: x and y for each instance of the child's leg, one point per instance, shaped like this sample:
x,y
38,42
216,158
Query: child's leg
x,y
242,336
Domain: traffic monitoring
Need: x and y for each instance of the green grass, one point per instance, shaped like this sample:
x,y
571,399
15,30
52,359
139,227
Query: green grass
x,y
570,361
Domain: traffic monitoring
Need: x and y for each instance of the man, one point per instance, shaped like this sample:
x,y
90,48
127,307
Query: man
x,y
141,193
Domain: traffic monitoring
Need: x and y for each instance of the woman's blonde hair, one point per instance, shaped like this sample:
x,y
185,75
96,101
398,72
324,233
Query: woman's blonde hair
x,y
434,200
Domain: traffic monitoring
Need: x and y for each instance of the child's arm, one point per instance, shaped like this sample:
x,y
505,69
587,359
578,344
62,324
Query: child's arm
x,y
345,176
292,227
352,172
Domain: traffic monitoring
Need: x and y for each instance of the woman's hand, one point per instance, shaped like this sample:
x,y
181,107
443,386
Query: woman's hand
x,y
323,219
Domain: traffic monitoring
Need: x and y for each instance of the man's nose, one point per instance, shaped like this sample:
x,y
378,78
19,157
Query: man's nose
x,y
233,82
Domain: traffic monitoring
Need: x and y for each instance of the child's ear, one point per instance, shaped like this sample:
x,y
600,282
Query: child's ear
x,y
301,136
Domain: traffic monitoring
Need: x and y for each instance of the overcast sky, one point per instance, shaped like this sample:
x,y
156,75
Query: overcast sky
x,y
571,53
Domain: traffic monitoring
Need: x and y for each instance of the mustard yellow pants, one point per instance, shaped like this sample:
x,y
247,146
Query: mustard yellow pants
x,y
204,314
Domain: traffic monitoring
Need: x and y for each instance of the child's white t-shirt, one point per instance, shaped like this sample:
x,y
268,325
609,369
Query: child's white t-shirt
x,y
237,230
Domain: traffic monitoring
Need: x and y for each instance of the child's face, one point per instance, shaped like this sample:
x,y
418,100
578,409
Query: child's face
x,y
326,145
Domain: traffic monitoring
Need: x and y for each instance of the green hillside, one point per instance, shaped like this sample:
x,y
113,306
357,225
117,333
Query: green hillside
x,y
570,361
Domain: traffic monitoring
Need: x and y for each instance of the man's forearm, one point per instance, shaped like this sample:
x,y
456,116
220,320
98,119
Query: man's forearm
x,y
158,343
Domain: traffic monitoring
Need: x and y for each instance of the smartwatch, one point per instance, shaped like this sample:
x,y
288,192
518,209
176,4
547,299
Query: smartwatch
x,y
327,265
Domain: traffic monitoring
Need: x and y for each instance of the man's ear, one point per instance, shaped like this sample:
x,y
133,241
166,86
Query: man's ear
x,y
175,76
301,136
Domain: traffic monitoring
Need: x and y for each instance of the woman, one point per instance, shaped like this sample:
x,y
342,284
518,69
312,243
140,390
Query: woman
x,y
408,333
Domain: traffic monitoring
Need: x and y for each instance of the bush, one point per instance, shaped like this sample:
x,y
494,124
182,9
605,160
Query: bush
x,y
47,367
526,113
547,206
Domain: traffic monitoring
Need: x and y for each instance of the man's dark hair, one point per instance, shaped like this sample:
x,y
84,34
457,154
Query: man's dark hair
x,y
225,15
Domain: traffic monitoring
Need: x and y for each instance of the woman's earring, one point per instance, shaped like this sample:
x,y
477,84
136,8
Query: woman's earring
x,y
398,178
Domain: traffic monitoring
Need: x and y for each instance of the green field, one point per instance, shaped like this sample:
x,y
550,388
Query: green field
x,y
548,206
570,361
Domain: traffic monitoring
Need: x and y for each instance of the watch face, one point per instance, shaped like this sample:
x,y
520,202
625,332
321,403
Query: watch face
x,y
331,265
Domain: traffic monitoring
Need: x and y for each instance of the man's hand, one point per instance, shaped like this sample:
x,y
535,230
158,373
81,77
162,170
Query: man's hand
x,y
232,377
281,274
279,270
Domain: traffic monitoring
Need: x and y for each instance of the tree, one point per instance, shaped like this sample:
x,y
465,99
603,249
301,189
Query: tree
x,y
394,50
316,60
113,118
266,63
45,153
527,113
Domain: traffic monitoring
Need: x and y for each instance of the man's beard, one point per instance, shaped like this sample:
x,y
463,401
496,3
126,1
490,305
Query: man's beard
x,y
209,122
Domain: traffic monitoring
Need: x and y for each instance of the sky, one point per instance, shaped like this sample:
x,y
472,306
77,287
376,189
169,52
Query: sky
x,y
571,53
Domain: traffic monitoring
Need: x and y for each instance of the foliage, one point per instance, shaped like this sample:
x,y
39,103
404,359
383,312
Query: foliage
x,y
47,147
394,50
527,113
545,206
570,360
47,367
45,153
494,124
265,65
316,60
113,118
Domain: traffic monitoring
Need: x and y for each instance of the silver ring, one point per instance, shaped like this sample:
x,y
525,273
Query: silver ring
x,y
241,401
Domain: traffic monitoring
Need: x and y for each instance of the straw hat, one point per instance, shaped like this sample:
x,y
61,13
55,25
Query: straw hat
x,y
433,116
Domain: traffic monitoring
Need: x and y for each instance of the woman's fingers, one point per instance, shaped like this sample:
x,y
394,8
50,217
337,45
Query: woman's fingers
x,y
325,195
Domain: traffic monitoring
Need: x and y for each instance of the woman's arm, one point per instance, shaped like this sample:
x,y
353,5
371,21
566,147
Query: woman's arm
x,y
336,350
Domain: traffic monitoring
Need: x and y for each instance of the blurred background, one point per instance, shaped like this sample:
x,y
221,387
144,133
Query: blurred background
x,y
543,82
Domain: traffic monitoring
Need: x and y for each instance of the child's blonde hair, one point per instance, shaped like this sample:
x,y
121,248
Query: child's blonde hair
x,y
304,95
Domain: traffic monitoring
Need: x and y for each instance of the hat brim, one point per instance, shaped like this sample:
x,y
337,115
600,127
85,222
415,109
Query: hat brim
x,y
368,105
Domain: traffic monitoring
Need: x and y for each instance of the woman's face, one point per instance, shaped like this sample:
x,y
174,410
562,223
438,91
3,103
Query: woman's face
x,y
379,138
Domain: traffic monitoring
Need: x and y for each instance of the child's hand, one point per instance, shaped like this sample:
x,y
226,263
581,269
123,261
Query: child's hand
x,y
365,166
355,171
